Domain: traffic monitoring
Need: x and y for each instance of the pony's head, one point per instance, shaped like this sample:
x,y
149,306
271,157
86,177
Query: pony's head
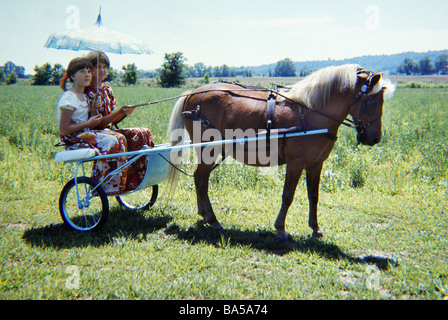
x,y
365,90
367,107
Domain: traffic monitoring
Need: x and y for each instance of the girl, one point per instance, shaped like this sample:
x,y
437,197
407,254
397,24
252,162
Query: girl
x,y
102,95
76,128
106,105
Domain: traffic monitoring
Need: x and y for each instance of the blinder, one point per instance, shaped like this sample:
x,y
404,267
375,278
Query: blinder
x,y
368,107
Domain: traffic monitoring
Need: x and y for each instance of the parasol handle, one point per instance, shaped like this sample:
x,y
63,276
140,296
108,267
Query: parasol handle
x,y
93,109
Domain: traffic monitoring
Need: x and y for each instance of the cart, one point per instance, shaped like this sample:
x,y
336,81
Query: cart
x,y
83,203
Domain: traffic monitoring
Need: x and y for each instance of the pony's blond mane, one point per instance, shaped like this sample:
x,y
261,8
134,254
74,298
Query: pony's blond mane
x,y
315,90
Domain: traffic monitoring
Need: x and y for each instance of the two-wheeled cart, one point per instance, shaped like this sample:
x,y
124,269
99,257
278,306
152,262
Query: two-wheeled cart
x,y
83,203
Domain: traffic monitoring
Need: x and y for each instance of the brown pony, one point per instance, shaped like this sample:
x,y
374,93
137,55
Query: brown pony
x,y
322,100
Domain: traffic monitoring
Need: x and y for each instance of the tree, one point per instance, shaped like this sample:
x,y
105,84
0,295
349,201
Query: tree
x,y
173,71
305,72
198,70
426,66
206,79
2,76
408,67
247,73
130,74
57,72
12,78
9,67
224,71
42,76
47,74
285,68
111,75
442,64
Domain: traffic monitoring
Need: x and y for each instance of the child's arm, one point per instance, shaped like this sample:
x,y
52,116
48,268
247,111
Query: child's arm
x,y
66,127
115,116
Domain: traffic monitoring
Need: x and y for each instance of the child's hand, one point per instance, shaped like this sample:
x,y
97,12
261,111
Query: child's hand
x,y
97,102
94,121
127,109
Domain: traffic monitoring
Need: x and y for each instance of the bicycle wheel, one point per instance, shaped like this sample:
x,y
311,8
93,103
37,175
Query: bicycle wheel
x,y
140,199
80,208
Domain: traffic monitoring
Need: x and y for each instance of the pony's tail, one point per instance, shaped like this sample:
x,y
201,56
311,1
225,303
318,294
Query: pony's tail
x,y
176,136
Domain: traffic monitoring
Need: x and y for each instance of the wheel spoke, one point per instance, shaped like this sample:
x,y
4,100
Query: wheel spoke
x,y
81,209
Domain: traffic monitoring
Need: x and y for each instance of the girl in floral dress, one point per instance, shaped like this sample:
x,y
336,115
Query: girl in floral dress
x,y
106,105
77,125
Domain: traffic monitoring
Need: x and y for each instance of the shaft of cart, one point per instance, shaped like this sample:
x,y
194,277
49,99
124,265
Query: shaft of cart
x,y
177,148
83,203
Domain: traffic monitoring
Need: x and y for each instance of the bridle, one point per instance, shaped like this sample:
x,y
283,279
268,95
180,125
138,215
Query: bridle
x,y
368,106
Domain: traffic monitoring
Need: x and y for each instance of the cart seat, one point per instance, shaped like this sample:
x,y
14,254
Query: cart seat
x,y
74,155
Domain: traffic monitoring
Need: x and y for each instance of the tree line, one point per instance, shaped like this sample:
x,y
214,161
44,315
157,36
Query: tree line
x,y
9,73
47,74
174,71
425,66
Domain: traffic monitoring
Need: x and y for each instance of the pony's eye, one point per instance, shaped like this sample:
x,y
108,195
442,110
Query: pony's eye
x,y
368,107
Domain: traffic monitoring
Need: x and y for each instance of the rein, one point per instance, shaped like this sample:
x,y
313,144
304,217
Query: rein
x,y
346,122
198,92
258,89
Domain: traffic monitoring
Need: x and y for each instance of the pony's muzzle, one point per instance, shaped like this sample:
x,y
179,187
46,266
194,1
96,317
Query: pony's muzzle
x,y
368,141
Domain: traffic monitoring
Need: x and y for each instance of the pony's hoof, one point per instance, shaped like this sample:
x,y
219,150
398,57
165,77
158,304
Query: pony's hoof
x,y
282,238
318,234
218,228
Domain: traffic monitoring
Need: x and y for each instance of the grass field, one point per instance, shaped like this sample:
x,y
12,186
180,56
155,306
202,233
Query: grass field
x,y
383,210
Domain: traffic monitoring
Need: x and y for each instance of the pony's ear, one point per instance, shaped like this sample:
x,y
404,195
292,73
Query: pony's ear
x,y
375,79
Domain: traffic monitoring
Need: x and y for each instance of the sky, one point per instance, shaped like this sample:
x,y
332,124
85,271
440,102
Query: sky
x,y
233,32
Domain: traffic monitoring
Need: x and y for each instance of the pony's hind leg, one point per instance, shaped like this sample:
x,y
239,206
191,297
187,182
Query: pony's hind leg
x,y
293,174
205,210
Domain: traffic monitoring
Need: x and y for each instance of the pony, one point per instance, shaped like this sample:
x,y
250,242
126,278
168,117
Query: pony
x,y
322,100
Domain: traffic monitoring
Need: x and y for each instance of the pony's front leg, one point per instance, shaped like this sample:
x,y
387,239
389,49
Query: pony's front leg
x,y
205,210
312,183
292,177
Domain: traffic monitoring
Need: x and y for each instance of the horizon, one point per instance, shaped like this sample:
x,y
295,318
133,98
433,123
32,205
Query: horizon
x,y
254,34
273,63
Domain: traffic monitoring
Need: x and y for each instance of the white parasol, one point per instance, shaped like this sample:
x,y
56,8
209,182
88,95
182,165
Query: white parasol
x,y
97,38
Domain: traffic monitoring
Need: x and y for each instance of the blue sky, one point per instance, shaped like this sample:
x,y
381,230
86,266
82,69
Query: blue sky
x,y
232,32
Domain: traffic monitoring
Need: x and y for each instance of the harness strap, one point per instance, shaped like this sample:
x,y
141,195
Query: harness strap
x,y
223,157
196,115
271,111
272,103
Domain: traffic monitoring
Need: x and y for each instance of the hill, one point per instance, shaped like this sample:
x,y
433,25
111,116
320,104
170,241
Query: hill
x,y
379,63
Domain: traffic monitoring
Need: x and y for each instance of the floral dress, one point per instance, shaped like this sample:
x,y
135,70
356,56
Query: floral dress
x,y
136,137
102,141
108,102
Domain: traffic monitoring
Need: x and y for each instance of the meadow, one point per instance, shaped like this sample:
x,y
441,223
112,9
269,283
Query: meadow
x,y
383,210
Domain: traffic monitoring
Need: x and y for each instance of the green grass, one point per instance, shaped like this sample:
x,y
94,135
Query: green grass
x,y
383,207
